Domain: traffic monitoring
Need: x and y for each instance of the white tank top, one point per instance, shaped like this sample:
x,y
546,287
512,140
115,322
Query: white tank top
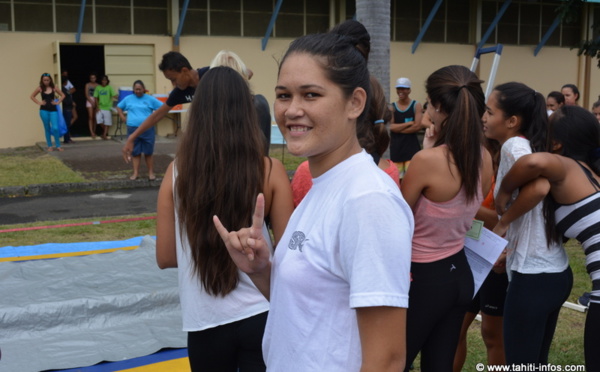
x,y
201,310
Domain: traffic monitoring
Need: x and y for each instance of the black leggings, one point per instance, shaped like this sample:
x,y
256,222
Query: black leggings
x,y
229,347
591,339
439,296
533,302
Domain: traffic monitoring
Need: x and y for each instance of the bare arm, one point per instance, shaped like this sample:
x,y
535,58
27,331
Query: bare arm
x,y
121,114
410,126
282,204
488,216
382,333
529,196
417,178
530,167
147,124
89,98
166,253
61,96
34,98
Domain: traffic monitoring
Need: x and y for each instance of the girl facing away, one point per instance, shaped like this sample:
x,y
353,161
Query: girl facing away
x,y
48,111
335,306
219,168
540,278
573,171
445,186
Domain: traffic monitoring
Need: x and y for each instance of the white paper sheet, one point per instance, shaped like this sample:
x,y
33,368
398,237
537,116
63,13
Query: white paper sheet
x,y
482,254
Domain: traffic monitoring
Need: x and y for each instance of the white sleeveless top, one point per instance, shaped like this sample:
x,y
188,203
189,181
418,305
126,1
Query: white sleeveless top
x,y
201,310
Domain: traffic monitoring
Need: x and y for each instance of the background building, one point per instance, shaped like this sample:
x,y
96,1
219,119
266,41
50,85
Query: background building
x,y
125,39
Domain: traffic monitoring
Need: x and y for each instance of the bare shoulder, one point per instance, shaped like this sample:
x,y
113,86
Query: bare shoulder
x,y
431,156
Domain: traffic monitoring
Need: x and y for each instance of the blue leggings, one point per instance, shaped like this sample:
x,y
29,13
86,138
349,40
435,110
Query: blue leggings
x,y
533,302
50,121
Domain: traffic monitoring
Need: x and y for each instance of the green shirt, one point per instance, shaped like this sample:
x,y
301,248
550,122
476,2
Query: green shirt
x,y
105,96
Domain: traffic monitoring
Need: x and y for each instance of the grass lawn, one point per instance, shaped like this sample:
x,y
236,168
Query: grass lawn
x,y
30,167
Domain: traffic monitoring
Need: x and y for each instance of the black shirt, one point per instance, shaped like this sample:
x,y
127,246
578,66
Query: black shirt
x,y
178,96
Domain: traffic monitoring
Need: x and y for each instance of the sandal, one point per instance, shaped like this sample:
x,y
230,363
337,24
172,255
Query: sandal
x,y
60,149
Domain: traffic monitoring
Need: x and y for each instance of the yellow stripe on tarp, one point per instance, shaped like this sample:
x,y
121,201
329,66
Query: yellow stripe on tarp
x,y
174,365
66,254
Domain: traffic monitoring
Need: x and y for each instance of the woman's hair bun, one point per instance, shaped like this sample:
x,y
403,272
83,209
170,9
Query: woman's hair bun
x,y
356,34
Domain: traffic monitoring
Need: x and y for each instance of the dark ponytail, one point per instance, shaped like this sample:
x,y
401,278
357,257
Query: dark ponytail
x,y
457,91
372,132
517,99
578,133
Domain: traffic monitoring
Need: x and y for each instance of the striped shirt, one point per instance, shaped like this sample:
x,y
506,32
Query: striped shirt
x,y
581,221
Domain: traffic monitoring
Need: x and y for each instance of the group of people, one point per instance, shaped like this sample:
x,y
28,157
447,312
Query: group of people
x,y
133,110
354,272
358,273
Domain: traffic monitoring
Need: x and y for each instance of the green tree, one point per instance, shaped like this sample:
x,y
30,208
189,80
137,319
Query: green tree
x,y
569,12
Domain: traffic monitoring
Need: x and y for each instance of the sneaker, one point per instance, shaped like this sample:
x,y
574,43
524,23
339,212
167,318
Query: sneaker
x,y
584,300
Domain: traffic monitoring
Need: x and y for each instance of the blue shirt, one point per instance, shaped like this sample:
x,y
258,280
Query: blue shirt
x,y
138,108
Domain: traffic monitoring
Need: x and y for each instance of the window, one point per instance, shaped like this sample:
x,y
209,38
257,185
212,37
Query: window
x,y
526,23
450,23
111,16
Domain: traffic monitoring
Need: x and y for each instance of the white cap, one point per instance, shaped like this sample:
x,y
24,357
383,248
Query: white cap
x,y
403,83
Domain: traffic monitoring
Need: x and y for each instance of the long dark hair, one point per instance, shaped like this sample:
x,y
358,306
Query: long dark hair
x,y
345,51
42,86
517,99
457,91
577,130
372,134
220,170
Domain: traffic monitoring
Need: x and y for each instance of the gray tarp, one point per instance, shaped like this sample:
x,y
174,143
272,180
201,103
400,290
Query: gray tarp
x,y
77,311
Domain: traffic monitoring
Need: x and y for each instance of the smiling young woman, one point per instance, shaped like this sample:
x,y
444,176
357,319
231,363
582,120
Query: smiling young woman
x,y
335,306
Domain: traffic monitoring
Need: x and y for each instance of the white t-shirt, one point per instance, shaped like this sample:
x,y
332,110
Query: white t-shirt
x,y
201,310
528,250
347,245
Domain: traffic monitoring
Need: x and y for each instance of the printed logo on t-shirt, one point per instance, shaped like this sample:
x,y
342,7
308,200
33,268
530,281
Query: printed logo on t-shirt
x,y
189,98
298,238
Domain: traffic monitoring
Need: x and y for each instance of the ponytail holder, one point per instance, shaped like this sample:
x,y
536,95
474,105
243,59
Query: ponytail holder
x,y
378,121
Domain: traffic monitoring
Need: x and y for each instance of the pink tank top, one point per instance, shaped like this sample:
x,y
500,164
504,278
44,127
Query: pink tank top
x,y
440,228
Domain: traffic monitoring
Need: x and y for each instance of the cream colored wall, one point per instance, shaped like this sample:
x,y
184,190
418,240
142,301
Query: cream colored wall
x,y
27,55
427,58
550,70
